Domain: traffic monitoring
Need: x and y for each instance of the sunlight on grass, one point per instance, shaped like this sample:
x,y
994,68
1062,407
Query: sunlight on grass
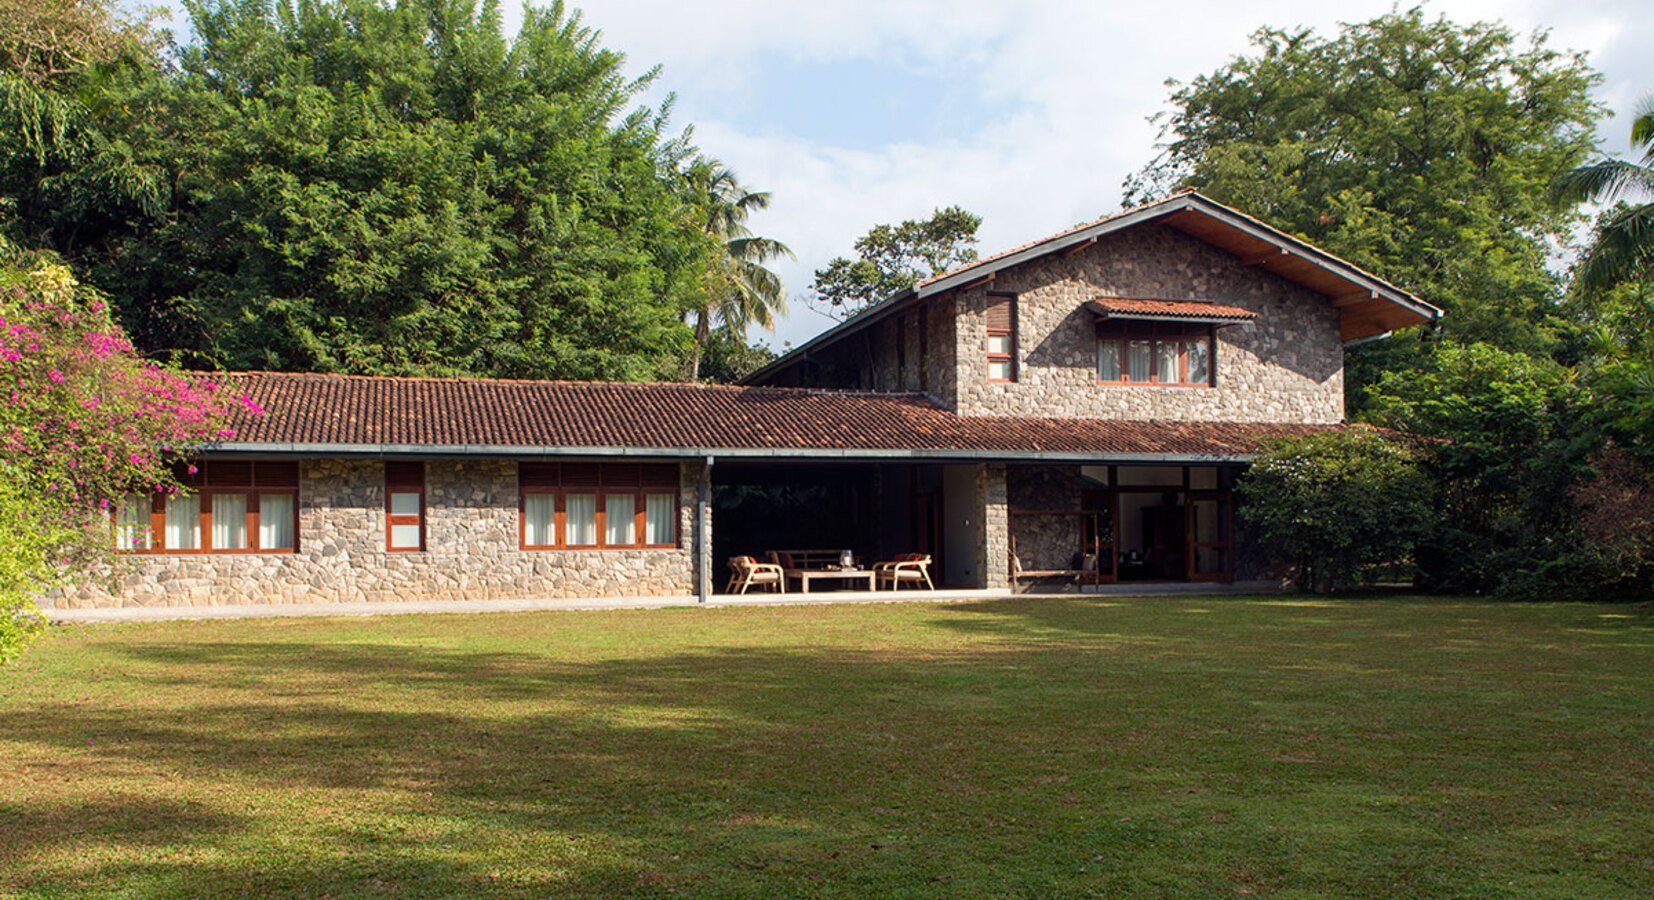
x,y
1022,747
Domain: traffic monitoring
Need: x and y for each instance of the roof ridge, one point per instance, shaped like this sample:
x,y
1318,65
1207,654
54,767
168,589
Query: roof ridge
x,y
1060,234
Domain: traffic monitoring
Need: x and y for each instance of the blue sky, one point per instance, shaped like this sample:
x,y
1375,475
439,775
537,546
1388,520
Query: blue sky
x,y
1029,113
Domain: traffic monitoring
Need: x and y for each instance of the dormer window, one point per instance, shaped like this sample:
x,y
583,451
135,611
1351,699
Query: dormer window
x,y
1155,353
1161,342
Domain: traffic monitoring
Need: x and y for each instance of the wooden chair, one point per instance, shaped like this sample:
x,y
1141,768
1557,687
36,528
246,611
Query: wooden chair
x,y
744,572
908,568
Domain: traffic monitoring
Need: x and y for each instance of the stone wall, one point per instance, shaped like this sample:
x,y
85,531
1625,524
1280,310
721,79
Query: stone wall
x,y
994,557
471,539
1045,542
1285,366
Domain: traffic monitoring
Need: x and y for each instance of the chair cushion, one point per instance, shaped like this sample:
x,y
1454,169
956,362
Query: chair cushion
x,y
786,560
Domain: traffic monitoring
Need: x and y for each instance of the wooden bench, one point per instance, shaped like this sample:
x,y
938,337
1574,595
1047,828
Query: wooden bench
x,y
1087,569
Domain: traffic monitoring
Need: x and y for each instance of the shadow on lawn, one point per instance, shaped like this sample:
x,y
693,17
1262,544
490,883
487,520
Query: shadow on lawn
x,y
996,768
791,766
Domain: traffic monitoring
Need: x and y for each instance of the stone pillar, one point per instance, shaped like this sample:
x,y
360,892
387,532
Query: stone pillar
x,y
699,473
993,556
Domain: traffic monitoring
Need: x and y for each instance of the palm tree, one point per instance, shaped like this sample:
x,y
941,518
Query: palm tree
x,y
1624,247
740,290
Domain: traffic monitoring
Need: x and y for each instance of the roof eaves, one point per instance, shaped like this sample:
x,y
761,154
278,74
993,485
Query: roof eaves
x,y
1264,231
238,449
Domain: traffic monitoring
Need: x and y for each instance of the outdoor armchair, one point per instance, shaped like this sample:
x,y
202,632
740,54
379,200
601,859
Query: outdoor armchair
x,y
908,568
744,572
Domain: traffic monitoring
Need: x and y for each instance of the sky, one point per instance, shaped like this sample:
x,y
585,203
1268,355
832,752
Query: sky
x,y
1030,113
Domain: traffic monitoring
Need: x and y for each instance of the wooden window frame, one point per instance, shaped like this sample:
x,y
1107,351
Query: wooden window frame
x,y
404,487
1123,334
255,485
1009,331
547,480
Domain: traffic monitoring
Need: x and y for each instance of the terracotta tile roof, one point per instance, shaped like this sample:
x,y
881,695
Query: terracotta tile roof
x,y
1170,309
311,410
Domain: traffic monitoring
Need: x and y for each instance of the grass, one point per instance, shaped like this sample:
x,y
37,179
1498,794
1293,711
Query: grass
x,y
1024,748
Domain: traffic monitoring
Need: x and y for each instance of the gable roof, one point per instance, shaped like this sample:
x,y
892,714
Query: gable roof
x,y
345,415
1369,305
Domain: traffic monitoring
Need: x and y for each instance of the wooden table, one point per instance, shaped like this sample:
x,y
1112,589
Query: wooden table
x,y
805,576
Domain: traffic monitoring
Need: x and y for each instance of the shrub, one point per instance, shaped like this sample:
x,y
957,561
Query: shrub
x,y
1337,506
83,420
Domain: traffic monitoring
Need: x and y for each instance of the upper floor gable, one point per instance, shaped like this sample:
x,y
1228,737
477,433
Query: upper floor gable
x,y
1095,322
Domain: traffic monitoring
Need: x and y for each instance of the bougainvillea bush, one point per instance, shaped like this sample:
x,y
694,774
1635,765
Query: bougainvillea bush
x,y
83,421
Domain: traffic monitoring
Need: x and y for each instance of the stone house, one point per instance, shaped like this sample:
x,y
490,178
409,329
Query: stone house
x,y
1079,406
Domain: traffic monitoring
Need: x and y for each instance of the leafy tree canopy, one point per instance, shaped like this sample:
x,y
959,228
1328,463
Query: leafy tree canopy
x,y
1513,435
1623,248
892,258
378,186
1421,150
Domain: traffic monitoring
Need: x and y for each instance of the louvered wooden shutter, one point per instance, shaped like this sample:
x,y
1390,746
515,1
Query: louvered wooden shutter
x,y
537,475
276,474
1002,314
405,476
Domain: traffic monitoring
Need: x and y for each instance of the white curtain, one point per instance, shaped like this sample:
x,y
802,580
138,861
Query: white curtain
x,y
659,514
1108,360
1198,371
275,521
580,513
1138,362
184,523
540,520
1167,363
132,523
620,519
229,521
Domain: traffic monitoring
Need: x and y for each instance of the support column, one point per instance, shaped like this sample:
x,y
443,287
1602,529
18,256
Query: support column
x,y
994,553
703,532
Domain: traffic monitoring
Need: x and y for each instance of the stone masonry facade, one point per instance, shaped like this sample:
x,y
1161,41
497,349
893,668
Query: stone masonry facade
x,y
1284,366
472,550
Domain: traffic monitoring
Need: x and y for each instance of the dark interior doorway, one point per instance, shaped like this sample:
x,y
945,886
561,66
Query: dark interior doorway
x,y
761,507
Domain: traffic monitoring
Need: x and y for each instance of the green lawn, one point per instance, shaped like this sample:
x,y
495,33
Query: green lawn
x,y
1191,747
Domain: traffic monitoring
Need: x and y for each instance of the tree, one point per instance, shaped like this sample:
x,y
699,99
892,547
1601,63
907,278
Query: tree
x,y
739,290
1617,503
1512,433
729,358
1337,506
891,259
1420,150
82,421
387,187
1623,249
54,58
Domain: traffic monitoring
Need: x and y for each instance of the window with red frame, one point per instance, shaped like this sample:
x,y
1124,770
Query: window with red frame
x,y
1160,353
1002,337
228,506
597,506
405,506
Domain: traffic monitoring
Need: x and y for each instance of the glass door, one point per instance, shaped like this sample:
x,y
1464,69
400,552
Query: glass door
x,y
1210,527
1098,536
